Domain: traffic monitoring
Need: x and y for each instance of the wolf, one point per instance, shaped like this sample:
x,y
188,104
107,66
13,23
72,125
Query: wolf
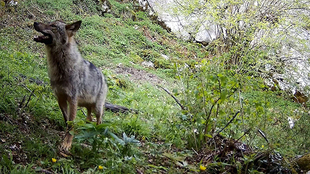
x,y
75,81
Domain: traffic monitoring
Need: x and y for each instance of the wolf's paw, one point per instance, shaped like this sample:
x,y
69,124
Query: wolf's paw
x,y
66,145
64,150
88,121
64,154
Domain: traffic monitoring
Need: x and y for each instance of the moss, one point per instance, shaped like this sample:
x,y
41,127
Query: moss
x,y
304,162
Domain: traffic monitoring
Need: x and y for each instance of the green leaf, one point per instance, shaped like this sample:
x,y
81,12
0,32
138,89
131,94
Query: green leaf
x,y
117,139
208,135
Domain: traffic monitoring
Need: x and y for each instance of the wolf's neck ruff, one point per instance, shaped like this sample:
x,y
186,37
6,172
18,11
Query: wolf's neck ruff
x,y
62,63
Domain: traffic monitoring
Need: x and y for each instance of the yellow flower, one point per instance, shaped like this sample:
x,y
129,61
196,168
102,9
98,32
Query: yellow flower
x,y
54,160
100,167
263,146
202,168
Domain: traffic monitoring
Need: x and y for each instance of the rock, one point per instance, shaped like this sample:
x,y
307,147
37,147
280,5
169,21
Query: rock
x,y
300,97
304,162
147,64
165,57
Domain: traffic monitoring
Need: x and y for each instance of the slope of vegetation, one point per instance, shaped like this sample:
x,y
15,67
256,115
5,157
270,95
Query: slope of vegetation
x,y
220,106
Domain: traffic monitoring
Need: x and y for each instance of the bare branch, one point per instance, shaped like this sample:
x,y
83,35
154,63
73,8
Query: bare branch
x,y
175,99
263,135
228,123
29,98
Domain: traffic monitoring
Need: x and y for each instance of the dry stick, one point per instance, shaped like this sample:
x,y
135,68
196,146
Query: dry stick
x,y
150,6
220,88
176,100
83,112
228,123
118,108
32,93
25,87
246,132
209,115
24,99
22,102
216,114
216,103
263,135
44,171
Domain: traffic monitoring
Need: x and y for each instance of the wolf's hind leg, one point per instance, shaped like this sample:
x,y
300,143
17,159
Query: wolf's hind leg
x,y
99,112
89,109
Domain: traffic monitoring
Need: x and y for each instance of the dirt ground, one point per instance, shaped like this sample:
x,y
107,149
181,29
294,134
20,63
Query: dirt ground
x,y
137,75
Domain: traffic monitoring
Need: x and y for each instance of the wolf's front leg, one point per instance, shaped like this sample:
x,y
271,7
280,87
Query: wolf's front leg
x,y
66,144
62,102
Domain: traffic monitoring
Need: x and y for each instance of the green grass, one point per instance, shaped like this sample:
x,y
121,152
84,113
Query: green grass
x,y
32,125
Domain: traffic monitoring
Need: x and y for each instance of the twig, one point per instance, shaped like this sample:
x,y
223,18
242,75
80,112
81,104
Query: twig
x,y
246,132
22,102
31,13
118,108
263,135
83,112
38,9
152,9
175,99
32,93
195,151
44,171
27,89
228,123
209,115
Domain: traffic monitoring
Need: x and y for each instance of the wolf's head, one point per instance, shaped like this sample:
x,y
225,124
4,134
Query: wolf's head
x,y
55,33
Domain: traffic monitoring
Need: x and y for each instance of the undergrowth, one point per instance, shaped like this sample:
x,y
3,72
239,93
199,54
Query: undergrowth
x,y
161,134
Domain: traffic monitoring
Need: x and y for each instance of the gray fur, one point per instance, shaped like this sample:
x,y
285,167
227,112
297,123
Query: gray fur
x,y
75,81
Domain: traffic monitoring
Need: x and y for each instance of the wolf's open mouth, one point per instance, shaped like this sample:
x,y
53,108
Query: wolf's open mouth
x,y
45,38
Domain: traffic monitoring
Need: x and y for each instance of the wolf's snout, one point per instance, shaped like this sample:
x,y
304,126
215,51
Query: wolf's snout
x,y
36,25
46,37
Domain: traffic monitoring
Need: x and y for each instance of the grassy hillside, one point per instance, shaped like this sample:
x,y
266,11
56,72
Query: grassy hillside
x,y
171,140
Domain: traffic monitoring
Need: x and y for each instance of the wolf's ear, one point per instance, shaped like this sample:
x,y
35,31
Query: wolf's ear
x,y
72,28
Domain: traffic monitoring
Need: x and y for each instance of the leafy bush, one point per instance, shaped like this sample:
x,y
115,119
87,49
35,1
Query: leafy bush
x,y
219,98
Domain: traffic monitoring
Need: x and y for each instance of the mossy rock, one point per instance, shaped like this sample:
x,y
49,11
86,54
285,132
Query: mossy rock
x,y
304,162
135,58
163,63
121,83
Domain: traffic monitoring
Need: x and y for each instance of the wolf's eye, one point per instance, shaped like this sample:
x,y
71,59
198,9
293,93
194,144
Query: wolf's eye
x,y
54,28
